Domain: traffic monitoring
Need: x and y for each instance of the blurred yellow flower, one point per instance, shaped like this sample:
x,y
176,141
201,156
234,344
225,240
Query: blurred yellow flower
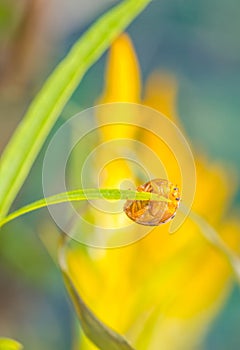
x,y
162,291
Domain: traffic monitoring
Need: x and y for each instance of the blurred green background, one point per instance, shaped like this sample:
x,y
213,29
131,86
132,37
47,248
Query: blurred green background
x,y
199,43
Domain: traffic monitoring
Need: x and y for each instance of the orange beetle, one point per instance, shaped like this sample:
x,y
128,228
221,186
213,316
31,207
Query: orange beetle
x,y
150,212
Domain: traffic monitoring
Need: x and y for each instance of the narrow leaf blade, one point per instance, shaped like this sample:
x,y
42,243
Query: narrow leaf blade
x,y
29,137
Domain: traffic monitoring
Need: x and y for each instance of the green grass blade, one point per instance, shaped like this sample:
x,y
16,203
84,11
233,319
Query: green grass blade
x,y
9,344
104,337
80,195
29,137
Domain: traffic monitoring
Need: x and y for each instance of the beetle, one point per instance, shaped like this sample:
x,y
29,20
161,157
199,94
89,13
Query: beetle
x,y
150,212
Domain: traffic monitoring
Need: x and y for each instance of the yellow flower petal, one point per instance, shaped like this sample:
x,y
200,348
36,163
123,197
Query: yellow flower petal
x,y
161,93
214,190
122,84
122,76
122,64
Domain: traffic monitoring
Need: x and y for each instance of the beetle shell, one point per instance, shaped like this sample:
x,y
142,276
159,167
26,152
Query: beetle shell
x,y
154,213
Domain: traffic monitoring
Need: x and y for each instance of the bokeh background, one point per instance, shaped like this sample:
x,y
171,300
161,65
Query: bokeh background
x,y
198,42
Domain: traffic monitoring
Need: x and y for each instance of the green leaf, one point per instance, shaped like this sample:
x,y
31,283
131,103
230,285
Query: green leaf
x,y
104,337
29,137
80,195
9,344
